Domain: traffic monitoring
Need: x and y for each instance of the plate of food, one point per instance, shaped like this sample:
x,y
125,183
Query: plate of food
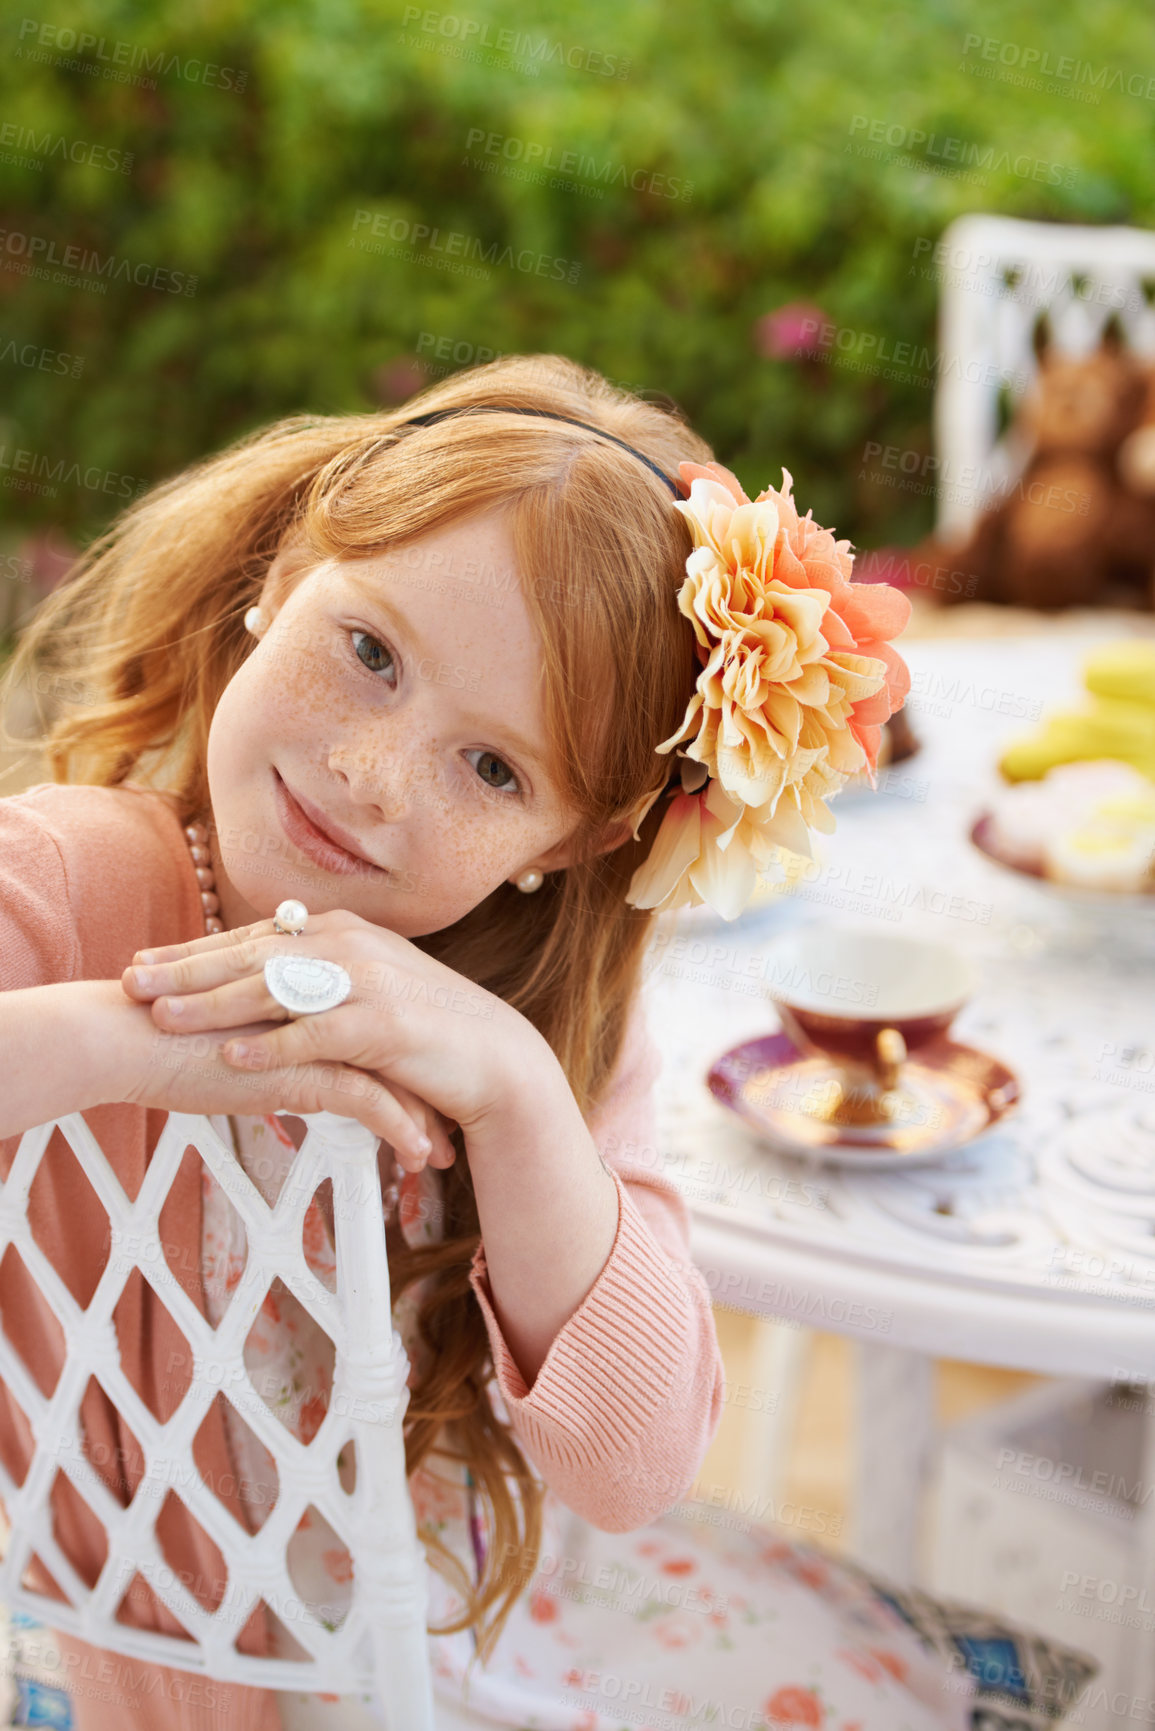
x,y
1085,828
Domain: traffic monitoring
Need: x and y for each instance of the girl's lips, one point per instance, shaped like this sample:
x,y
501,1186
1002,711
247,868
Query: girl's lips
x,y
315,842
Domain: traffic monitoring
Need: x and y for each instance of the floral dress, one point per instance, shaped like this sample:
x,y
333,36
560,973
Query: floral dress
x,y
681,1624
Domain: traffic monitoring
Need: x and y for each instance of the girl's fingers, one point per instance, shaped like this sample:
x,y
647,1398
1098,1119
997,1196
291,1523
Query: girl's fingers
x,y
200,946
442,1153
351,1093
437,1129
230,1006
300,1044
176,967
298,1041
194,973
247,1006
429,1124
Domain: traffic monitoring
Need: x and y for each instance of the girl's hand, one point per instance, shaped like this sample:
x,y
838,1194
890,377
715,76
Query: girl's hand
x,y
185,1072
413,1043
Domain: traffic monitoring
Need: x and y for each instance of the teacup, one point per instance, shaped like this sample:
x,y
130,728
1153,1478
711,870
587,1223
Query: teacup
x,y
866,998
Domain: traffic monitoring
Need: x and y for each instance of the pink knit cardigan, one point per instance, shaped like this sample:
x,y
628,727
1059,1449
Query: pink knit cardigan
x,y
618,1417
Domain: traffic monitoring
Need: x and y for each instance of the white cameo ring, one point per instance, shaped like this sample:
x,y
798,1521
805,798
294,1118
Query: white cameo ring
x,y
306,985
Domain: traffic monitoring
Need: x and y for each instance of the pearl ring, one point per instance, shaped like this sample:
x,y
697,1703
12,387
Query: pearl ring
x,y
303,985
306,985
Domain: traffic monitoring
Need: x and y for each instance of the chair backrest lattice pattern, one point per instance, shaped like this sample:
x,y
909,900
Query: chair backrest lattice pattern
x,y
999,278
380,1645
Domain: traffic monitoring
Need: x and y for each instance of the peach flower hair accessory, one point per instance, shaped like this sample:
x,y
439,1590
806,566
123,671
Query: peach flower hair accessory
x,y
796,681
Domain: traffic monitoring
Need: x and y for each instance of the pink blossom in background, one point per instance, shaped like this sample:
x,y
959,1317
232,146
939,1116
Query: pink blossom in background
x,y
49,556
398,380
779,335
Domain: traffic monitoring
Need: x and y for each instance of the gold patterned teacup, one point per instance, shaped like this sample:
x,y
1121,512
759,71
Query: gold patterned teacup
x,y
864,999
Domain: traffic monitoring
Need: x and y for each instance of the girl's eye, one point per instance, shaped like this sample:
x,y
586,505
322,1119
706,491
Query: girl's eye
x,y
492,768
376,657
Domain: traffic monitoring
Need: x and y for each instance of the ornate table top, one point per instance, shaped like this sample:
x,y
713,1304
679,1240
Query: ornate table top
x,y
1034,1246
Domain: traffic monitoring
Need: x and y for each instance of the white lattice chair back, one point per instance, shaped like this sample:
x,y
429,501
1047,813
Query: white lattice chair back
x,y
999,276
380,1646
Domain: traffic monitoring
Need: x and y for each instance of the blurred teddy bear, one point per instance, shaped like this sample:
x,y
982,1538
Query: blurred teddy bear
x,y
1077,527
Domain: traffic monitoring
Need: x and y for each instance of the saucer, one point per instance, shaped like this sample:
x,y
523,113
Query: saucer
x,y
947,1095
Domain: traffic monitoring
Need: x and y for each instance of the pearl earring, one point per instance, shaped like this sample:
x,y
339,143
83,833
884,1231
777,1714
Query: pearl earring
x,y
255,621
530,880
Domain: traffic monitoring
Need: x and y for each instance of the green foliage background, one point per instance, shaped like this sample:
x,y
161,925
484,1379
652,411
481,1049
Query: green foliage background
x,y
348,106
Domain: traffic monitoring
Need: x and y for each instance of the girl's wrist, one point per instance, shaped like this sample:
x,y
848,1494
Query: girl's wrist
x,y
515,1060
520,1067
117,1042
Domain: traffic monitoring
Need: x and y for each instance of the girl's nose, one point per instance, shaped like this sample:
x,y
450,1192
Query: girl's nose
x,y
382,777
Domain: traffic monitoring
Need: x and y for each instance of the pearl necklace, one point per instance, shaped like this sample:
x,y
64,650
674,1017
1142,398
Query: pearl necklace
x,y
197,837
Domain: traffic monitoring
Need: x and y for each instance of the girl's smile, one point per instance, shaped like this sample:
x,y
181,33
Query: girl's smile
x,y
317,835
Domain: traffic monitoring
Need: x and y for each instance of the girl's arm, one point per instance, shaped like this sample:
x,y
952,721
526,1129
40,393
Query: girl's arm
x,y
74,1044
548,1208
61,1048
619,1413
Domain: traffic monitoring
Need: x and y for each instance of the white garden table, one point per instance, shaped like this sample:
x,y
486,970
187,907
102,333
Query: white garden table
x,y
1032,1249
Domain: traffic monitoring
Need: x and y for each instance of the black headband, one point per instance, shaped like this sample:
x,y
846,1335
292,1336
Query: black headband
x,y
675,487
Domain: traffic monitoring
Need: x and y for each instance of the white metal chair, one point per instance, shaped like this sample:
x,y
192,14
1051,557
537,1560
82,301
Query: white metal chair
x,y
380,1646
999,275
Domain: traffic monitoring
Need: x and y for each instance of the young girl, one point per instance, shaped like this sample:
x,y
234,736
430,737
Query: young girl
x,y
480,684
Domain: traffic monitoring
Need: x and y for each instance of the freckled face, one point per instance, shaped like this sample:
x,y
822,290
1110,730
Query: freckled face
x,y
393,703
